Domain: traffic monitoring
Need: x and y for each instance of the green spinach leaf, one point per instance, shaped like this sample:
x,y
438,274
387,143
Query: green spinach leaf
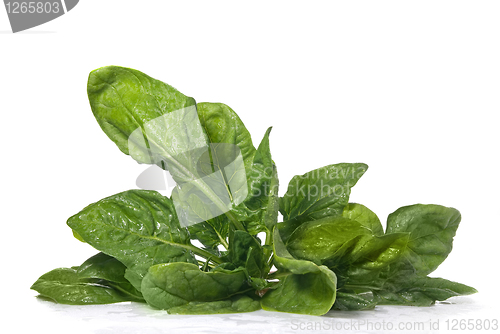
x,y
64,286
235,304
318,240
137,227
212,233
364,216
422,291
351,301
123,100
177,284
303,288
320,193
431,228
259,211
222,125
105,267
245,252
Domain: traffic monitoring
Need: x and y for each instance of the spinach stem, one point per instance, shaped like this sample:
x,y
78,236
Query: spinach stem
x,y
267,252
235,221
203,253
223,242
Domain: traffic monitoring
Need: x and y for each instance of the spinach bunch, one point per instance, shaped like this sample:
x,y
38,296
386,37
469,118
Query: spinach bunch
x,y
327,253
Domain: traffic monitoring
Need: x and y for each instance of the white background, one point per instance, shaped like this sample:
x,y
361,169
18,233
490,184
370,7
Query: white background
x,y
410,88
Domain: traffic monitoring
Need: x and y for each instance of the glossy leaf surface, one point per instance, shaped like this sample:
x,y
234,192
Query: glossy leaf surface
x,y
307,289
353,302
177,284
431,228
235,304
364,216
65,287
422,291
105,267
123,100
320,193
137,227
222,125
318,240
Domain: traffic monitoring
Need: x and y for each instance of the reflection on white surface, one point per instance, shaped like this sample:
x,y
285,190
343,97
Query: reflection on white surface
x,y
131,318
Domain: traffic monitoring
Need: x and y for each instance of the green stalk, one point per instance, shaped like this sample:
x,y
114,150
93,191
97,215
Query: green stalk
x,y
237,224
267,252
203,253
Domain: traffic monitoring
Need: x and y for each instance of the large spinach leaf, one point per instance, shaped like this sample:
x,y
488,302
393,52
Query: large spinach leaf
x,y
155,124
177,284
431,228
123,100
137,227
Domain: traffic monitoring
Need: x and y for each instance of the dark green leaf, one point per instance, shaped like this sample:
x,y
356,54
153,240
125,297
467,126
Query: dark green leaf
x,y
320,193
366,258
177,284
234,304
212,232
137,227
306,288
311,293
64,286
105,267
270,212
376,252
260,209
350,301
431,228
318,240
285,262
422,291
245,251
